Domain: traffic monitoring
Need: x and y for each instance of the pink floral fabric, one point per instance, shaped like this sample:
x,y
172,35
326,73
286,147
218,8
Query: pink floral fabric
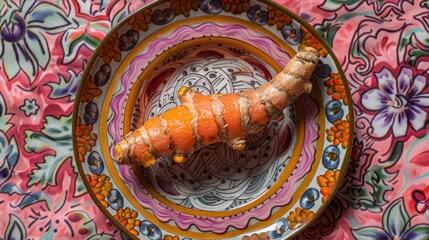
x,y
382,46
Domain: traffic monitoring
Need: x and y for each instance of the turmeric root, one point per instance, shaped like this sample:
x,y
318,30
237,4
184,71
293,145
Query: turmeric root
x,y
202,120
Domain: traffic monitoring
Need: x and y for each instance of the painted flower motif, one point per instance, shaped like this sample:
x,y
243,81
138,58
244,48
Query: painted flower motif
x,y
150,230
141,20
96,165
257,15
169,237
256,236
331,157
334,111
396,225
278,18
91,113
111,49
115,199
29,107
322,70
308,198
422,201
85,139
236,6
280,227
101,186
184,7
339,133
327,183
211,6
299,217
336,88
161,17
308,40
22,44
291,35
90,90
127,217
399,101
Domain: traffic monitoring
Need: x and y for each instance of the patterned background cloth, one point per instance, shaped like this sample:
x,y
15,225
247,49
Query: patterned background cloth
x,y
383,47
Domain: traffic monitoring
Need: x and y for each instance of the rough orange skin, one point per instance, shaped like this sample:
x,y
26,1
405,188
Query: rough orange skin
x,y
158,137
231,114
256,107
207,126
180,128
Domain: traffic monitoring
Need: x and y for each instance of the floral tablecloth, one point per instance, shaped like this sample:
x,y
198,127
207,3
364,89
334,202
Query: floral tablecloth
x,y
383,47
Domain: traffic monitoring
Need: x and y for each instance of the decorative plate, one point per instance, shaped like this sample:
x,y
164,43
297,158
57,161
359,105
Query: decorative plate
x,y
272,190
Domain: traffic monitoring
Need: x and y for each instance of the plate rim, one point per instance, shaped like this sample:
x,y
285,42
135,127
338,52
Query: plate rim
x,y
155,3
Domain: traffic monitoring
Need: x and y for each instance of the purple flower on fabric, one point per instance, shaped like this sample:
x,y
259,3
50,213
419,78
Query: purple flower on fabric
x,y
399,101
22,44
396,225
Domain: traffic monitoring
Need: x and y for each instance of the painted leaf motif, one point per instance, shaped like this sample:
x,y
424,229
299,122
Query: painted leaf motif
x,y
37,46
370,233
8,157
422,159
65,88
48,17
4,116
72,41
56,135
328,31
417,232
373,198
102,236
395,218
337,4
15,229
121,14
31,198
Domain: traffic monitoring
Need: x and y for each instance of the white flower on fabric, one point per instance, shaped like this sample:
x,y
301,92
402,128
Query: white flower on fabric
x,y
399,101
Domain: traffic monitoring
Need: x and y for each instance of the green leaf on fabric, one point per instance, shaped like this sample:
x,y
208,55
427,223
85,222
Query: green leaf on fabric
x,y
50,18
55,135
4,116
328,31
101,236
370,233
417,232
396,219
15,229
337,4
65,88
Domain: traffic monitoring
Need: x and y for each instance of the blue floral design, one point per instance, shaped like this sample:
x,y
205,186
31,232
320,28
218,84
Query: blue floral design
x,y
280,227
292,35
334,111
257,15
115,199
95,162
29,107
150,230
396,225
331,157
308,198
211,6
22,45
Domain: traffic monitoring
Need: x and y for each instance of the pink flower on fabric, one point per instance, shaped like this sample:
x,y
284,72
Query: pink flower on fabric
x,y
399,101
